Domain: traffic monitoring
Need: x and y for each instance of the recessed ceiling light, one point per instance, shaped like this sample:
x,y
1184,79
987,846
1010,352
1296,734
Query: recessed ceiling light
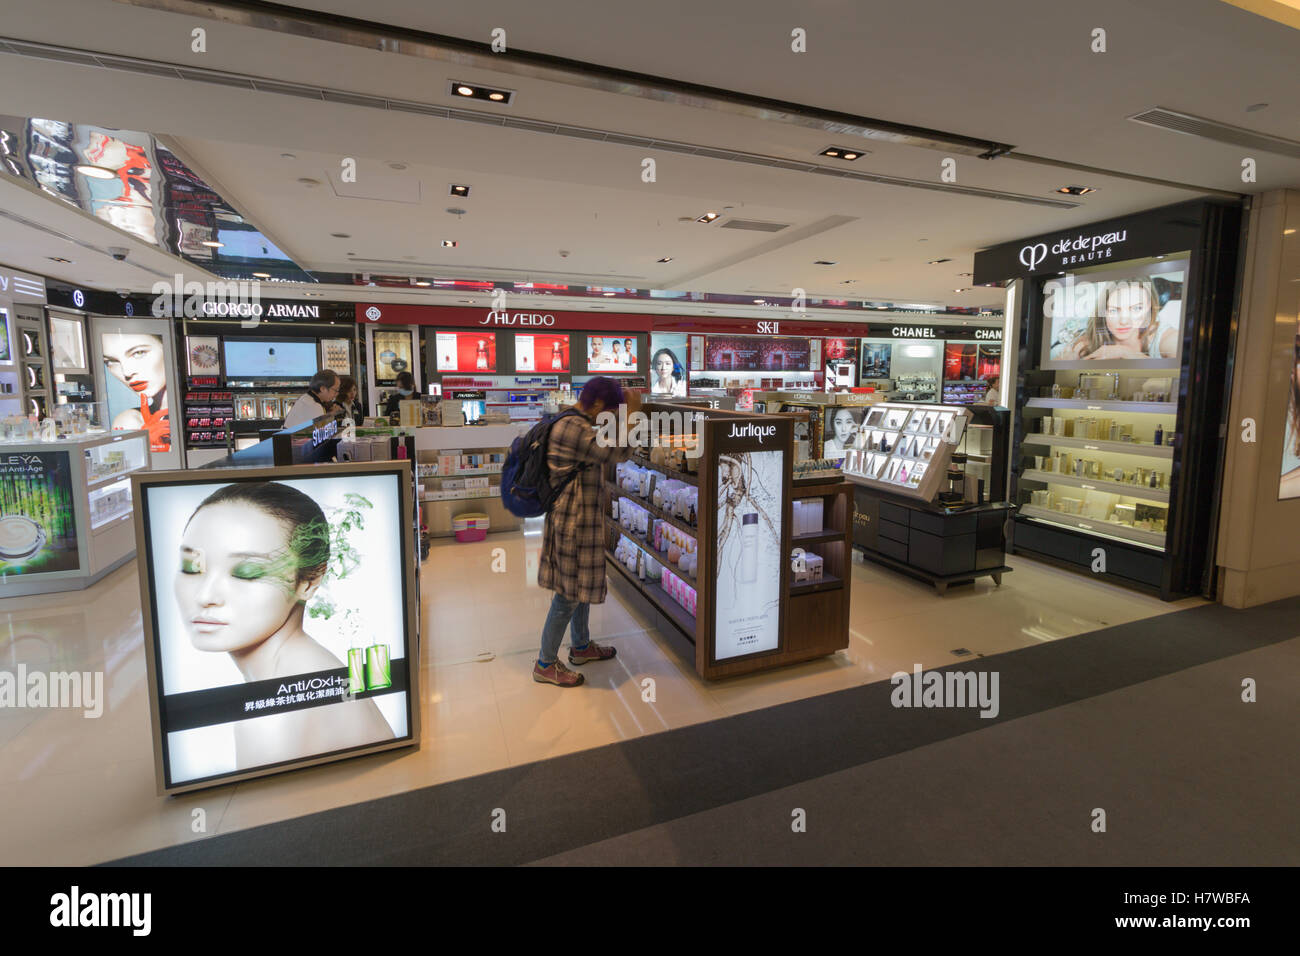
x,y
212,243
824,262
482,92
607,293
1077,190
1288,232
961,290
847,281
759,301
665,259
95,172
261,275
341,235
422,283
57,259
966,275
309,182
461,191
935,262
840,152
397,165
708,217
1256,107
450,243
288,156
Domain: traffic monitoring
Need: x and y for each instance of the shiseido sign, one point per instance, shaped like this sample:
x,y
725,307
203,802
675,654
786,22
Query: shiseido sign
x,y
1072,250
519,319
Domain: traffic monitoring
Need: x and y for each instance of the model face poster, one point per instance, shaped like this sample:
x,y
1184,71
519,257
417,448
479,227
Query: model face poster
x,y
668,366
749,554
1123,318
1290,485
842,424
136,364
392,355
281,630
611,354
6,352
38,527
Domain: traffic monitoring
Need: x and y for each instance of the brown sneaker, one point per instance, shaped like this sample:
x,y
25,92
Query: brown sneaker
x,y
556,674
592,652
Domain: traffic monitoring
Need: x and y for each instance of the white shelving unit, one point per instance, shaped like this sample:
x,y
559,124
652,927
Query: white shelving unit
x,y
1109,529
1099,484
1094,444
1094,405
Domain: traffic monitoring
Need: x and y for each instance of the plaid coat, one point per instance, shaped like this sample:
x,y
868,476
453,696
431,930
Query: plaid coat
x,y
573,542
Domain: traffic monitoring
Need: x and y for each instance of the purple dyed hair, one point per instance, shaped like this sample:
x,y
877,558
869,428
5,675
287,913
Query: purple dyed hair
x,y
601,389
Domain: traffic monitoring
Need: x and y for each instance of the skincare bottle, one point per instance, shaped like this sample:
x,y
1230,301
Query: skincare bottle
x,y
356,668
749,547
555,355
1160,434
481,357
378,672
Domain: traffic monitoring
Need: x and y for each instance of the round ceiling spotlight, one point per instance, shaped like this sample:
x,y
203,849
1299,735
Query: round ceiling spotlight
x,y
261,275
309,182
397,165
341,235
465,90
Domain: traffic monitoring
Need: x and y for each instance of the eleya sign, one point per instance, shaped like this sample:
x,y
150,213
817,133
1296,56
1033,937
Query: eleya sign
x,y
1081,248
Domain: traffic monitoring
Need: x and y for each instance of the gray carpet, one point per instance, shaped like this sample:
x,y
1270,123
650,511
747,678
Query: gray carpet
x,y
722,792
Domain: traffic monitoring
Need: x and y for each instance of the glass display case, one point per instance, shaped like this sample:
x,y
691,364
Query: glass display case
x,y
65,509
906,449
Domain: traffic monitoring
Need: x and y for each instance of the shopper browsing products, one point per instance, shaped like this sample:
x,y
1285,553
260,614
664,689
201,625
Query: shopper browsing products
x,y
573,542
318,400
405,389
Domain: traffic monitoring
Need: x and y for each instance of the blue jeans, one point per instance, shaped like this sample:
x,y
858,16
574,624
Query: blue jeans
x,y
562,612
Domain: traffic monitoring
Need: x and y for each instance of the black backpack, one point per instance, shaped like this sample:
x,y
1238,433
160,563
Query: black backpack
x,y
526,486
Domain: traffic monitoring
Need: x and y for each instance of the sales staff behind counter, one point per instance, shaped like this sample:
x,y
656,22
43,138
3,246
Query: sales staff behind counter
x,y
405,389
316,401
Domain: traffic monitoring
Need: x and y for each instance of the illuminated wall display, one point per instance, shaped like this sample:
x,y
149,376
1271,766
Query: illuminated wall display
x,y
749,543
668,357
541,353
392,354
465,351
611,354
279,618
38,526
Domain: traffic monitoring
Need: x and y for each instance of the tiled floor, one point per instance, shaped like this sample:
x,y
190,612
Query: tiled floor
x,y
74,790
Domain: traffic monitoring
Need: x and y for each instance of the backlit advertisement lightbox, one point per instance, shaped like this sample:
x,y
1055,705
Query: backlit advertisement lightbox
x,y
465,351
278,617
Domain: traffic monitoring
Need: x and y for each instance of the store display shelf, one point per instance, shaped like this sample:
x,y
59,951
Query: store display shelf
x,y
829,582
1094,444
1095,405
466,473
639,540
1098,484
495,493
661,599
825,535
99,522
681,524
644,460
1106,529
92,483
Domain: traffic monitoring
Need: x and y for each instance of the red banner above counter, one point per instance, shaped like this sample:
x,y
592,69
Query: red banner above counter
x,y
538,319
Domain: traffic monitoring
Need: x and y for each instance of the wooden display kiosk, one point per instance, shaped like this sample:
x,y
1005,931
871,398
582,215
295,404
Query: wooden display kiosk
x,y
726,581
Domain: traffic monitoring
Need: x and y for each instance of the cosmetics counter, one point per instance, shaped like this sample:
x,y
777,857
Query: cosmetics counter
x,y
459,472
65,509
917,508
735,555
1121,393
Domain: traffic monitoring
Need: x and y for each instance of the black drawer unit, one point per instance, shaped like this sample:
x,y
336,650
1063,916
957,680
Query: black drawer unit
x,y
927,542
